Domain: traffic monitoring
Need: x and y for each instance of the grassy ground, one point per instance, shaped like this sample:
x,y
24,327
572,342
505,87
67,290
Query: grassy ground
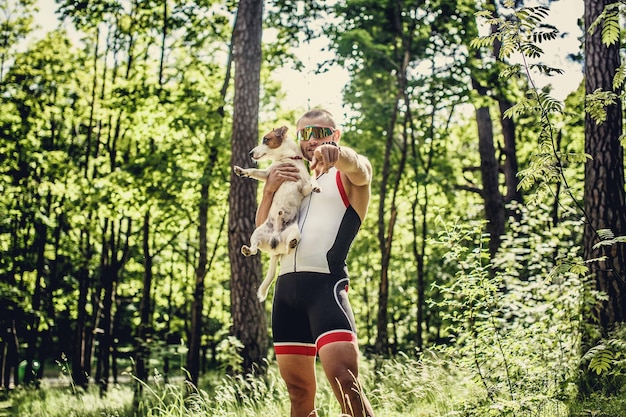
x,y
5,408
395,391
397,388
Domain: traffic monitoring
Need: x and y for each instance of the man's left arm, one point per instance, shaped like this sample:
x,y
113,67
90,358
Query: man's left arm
x,y
356,167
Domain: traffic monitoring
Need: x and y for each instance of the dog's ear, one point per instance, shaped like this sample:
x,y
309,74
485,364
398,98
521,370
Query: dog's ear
x,y
281,131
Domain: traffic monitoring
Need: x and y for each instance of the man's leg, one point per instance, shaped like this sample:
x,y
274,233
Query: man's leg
x,y
340,361
298,372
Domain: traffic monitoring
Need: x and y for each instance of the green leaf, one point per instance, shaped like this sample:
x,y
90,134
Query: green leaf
x,y
596,103
620,76
602,358
611,28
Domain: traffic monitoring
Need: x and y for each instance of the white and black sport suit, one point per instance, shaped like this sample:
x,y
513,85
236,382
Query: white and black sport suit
x,y
311,305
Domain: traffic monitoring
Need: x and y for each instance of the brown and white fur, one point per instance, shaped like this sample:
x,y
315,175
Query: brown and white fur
x,y
279,234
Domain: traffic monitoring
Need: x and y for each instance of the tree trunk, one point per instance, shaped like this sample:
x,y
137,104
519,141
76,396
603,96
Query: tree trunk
x,y
386,231
604,199
193,355
32,333
385,235
493,202
509,152
81,354
249,322
489,165
142,350
10,350
113,258
510,166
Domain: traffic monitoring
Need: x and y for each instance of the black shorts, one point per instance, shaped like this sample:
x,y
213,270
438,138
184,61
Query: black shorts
x,y
311,310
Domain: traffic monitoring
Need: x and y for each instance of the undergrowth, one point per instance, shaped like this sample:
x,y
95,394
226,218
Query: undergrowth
x,y
432,384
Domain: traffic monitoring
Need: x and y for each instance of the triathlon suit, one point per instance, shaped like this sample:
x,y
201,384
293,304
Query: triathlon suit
x,y
311,307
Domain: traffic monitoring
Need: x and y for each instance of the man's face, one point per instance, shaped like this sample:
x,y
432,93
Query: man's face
x,y
312,133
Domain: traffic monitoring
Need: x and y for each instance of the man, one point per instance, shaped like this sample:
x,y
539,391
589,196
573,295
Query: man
x,y
311,314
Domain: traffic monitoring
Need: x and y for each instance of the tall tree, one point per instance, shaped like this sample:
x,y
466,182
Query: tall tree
x,y
382,43
16,18
604,199
249,323
489,164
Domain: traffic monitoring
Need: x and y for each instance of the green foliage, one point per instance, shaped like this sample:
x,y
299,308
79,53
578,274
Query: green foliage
x,y
596,103
600,405
229,355
620,76
433,381
610,21
142,144
433,385
521,32
612,33
604,376
494,310
608,238
16,20
608,358
59,402
547,165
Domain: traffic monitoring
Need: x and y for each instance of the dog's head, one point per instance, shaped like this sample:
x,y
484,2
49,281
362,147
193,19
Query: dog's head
x,y
276,146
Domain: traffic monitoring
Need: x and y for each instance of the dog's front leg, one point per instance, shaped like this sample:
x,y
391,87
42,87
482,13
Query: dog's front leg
x,y
257,174
309,185
315,187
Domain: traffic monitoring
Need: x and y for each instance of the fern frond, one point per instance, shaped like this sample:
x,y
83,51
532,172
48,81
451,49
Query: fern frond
x,y
618,345
620,76
608,238
544,69
520,108
605,234
507,48
485,14
511,71
574,157
544,32
484,41
550,104
611,28
533,15
596,103
531,50
610,18
568,267
602,359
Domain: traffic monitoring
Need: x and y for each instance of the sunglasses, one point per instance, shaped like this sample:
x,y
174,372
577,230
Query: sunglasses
x,y
317,132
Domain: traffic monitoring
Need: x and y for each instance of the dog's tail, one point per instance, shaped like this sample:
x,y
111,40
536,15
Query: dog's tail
x,y
269,277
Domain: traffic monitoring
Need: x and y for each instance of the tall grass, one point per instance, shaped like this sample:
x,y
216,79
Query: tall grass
x,y
48,401
434,385
396,387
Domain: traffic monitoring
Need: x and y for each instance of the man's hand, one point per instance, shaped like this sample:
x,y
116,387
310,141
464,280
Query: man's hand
x,y
280,174
325,157
277,175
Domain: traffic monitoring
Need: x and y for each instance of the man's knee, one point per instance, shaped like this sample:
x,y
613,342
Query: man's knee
x,y
300,391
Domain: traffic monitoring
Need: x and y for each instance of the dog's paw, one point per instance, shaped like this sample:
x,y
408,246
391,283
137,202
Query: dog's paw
x,y
246,251
293,243
240,171
317,189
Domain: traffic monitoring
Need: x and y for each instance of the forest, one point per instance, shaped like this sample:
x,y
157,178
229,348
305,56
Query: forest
x,y
488,278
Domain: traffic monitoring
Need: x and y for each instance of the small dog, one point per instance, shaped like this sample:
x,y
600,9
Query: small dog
x,y
279,234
